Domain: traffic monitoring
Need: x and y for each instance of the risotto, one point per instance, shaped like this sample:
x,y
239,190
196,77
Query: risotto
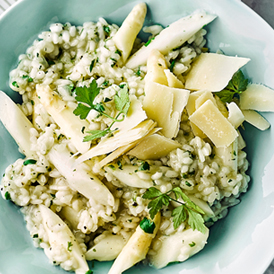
x,y
130,146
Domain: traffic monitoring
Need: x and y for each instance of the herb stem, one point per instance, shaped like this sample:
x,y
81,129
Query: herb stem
x,y
113,119
171,199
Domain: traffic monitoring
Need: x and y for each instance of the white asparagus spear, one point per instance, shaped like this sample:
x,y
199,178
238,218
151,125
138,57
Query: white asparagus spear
x,y
70,124
171,37
136,248
17,124
79,178
60,236
126,35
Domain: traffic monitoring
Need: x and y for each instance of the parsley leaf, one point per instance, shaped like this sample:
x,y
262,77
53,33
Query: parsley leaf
x,y
236,86
186,211
86,96
121,100
196,221
82,111
95,134
179,216
151,193
147,225
156,205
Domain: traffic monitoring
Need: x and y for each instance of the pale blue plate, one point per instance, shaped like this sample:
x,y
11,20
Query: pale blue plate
x,y
241,243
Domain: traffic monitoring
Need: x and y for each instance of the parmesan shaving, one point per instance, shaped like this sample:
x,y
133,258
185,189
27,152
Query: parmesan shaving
x,y
212,71
211,121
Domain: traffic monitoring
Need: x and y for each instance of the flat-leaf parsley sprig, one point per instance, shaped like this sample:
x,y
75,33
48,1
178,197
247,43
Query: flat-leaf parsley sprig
x,y
85,97
186,211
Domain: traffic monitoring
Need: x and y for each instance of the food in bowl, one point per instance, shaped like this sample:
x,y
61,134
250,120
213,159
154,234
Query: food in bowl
x,y
131,147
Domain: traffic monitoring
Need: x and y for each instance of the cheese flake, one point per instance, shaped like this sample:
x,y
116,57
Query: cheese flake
x,y
164,105
212,71
211,121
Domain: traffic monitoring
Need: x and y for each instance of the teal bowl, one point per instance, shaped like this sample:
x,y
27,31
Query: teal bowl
x,y
243,242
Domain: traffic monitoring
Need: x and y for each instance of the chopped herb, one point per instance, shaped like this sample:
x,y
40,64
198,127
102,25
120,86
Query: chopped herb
x,y
113,168
14,83
92,65
120,165
236,86
83,129
94,250
118,52
89,272
186,209
70,246
147,225
138,72
191,172
60,136
35,236
144,166
7,195
114,62
29,162
188,184
28,78
172,65
106,30
50,62
192,244
149,41
32,102
107,100
71,87
106,83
